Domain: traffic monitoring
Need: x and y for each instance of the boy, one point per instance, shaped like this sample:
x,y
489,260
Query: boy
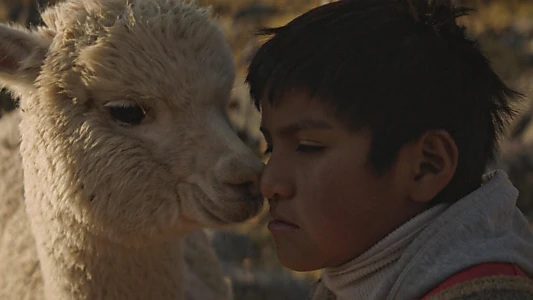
x,y
380,117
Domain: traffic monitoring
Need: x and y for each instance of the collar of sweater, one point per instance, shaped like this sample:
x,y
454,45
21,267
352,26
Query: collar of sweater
x,y
357,278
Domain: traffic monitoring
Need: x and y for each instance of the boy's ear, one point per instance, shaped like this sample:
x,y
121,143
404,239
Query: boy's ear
x,y
21,55
435,164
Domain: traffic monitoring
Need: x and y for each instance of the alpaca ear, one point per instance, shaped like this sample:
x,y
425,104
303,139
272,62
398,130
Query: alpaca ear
x,y
21,55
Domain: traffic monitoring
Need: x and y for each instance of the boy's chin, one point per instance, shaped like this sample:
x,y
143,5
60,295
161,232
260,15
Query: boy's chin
x,y
298,261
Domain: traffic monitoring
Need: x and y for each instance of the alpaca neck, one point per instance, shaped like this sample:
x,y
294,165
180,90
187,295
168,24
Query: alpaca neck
x,y
101,270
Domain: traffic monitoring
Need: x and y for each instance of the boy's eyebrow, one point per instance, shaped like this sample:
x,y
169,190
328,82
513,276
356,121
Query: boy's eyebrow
x,y
300,125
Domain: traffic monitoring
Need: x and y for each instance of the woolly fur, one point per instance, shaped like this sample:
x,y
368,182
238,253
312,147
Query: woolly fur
x,y
110,205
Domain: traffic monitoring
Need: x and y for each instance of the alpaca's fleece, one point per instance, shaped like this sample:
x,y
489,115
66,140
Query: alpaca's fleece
x,y
125,144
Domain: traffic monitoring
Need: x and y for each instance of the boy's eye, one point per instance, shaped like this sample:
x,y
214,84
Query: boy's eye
x,y
302,147
309,148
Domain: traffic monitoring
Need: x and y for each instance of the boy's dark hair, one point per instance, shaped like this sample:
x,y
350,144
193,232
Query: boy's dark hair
x,y
397,67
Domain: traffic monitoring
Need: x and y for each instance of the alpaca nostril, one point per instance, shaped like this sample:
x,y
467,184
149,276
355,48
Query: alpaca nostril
x,y
249,188
240,174
252,188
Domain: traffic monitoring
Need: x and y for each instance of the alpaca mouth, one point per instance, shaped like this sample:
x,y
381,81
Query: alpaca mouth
x,y
233,208
220,208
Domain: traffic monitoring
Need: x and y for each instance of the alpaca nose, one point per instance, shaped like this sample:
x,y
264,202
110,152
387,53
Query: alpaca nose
x,y
252,187
242,173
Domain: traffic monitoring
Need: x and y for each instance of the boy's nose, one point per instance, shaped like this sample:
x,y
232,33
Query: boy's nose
x,y
274,185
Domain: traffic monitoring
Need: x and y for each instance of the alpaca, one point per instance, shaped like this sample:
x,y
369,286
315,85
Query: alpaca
x,y
125,147
20,276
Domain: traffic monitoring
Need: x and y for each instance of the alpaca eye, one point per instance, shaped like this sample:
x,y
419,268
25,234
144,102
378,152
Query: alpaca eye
x,y
126,112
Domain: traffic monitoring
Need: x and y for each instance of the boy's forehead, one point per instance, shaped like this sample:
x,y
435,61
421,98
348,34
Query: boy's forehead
x,y
296,112
291,105
297,99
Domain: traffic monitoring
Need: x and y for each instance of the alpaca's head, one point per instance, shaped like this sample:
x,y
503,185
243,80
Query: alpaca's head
x,y
123,108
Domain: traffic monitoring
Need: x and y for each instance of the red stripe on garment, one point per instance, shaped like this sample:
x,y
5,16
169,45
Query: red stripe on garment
x,y
478,271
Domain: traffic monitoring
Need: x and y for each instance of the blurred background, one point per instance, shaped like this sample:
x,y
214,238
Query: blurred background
x,y
505,30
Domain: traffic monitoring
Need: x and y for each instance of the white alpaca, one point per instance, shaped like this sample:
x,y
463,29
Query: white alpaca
x,y
125,149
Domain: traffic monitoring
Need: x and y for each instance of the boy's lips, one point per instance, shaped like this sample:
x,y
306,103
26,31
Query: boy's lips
x,y
280,223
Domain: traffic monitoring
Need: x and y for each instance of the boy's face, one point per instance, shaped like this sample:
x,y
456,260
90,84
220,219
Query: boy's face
x,y
327,204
